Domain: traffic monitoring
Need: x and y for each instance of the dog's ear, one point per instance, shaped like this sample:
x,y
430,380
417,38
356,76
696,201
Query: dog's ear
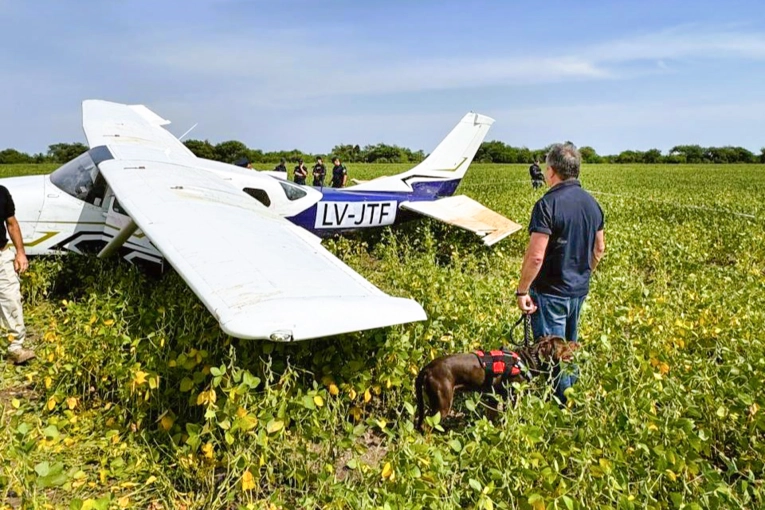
x,y
574,345
546,347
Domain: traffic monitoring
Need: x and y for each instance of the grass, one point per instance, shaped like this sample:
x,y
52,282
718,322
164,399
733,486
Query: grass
x,y
138,400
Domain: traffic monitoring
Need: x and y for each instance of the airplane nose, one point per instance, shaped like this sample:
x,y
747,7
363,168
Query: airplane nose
x,y
28,194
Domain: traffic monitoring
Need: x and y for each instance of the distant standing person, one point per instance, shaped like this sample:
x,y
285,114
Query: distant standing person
x,y
11,265
319,172
339,174
566,244
537,177
301,172
281,167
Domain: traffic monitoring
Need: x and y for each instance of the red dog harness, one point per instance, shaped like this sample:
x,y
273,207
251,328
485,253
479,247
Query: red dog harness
x,y
500,363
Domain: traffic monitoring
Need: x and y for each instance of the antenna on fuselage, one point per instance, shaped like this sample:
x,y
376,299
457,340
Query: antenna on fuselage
x,y
180,138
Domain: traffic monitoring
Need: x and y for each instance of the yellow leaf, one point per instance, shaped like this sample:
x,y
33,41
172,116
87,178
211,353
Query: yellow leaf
x,y
92,319
151,480
16,403
274,426
663,368
207,450
355,412
166,422
109,322
140,377
352,394
671,475
651,426
333,390
241,412
48,381
51,403
248,481
212,396
367,395
318,401
71,403
387,471
123,502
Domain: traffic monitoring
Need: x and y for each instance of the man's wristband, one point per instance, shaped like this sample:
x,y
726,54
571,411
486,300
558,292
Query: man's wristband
x,y
518,293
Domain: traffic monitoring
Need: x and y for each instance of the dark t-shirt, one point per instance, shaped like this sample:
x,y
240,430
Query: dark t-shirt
x,y
280,168
571,217
536,173
338,171
300,174
319,171
8,209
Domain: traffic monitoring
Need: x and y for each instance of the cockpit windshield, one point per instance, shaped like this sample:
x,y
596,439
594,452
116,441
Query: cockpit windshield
x,y
80,177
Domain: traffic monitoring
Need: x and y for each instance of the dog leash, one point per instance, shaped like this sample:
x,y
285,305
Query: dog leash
x,y
526,319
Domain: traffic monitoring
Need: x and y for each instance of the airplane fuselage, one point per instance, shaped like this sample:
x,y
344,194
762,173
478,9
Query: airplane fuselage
x,y
56,215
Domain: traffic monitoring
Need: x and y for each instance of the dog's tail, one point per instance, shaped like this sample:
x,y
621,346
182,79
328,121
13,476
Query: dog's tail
x,y
420,400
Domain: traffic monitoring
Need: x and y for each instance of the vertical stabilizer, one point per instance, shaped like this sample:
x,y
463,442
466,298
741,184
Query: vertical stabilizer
x,y
440,173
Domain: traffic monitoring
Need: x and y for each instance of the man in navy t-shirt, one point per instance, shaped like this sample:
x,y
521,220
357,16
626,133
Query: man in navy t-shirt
x,y
565,247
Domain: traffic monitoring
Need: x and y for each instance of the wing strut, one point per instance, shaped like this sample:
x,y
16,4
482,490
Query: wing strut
x,y
121,238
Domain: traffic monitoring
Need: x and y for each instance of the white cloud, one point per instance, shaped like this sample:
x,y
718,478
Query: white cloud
x,y
276,67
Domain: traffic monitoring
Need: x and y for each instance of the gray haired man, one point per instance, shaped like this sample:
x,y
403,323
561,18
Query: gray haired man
x,y
566,245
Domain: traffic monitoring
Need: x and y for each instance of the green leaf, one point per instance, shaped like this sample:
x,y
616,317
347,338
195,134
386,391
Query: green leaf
x,y
568,502
186,384
455,445
475,484
51,431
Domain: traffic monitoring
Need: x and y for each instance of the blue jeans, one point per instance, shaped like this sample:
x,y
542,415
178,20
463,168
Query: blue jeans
x,y
559,316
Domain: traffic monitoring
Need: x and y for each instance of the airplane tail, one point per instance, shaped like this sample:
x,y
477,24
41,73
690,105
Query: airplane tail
x,y
440,173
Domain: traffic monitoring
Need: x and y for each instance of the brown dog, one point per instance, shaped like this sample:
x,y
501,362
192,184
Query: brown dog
x,y
463,372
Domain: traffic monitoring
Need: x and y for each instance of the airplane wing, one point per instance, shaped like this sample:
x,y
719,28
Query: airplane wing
x,y
131,132
464,212
261,276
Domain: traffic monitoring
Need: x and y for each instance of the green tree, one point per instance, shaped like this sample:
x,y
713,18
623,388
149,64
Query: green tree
x,y
691,153
63,152
589,155
12,157
201,149
230,151
652,156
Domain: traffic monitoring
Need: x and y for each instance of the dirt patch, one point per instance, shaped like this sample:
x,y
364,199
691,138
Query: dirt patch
x,y
373,452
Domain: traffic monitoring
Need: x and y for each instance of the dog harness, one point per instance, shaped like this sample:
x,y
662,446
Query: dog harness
x,y
501,363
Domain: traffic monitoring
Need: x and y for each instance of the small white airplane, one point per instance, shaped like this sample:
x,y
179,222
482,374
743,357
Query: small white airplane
x,y
242,240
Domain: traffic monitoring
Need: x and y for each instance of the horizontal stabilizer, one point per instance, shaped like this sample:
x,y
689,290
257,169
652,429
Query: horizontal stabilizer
x,y
464,212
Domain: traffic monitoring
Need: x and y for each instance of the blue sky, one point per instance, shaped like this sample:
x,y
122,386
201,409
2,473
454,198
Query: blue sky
x,y
312,74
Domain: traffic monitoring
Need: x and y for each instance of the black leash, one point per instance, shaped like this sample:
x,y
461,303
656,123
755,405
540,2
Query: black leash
x,y
526,319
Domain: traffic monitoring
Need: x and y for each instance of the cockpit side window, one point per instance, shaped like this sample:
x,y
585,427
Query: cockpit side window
x,y
80,177
293,191
259,195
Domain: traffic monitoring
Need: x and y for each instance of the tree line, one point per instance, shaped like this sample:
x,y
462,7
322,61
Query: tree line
x,y
489,152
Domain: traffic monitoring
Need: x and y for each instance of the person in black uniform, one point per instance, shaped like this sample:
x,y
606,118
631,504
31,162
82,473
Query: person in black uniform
x,y
243,162
281,167
537,178
319,172
339,174
301,172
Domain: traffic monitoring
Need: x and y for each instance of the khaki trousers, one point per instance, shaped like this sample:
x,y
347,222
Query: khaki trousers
x,y
11,314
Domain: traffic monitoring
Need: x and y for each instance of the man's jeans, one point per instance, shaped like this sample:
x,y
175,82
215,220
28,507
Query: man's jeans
x,y
558,316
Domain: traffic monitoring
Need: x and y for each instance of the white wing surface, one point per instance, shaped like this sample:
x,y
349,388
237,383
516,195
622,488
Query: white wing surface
x,y
261,276
462,211
131,132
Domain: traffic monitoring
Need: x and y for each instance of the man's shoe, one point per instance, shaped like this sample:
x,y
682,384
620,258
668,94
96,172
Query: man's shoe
x,y
20,356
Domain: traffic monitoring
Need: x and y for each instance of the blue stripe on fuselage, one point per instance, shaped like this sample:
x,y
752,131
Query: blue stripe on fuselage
x,y
345,210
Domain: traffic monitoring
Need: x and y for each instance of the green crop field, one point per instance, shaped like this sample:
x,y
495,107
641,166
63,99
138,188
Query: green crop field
x,y
137,400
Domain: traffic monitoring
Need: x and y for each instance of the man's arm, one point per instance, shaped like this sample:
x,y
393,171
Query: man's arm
x,y
14,231
598,250
532,263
